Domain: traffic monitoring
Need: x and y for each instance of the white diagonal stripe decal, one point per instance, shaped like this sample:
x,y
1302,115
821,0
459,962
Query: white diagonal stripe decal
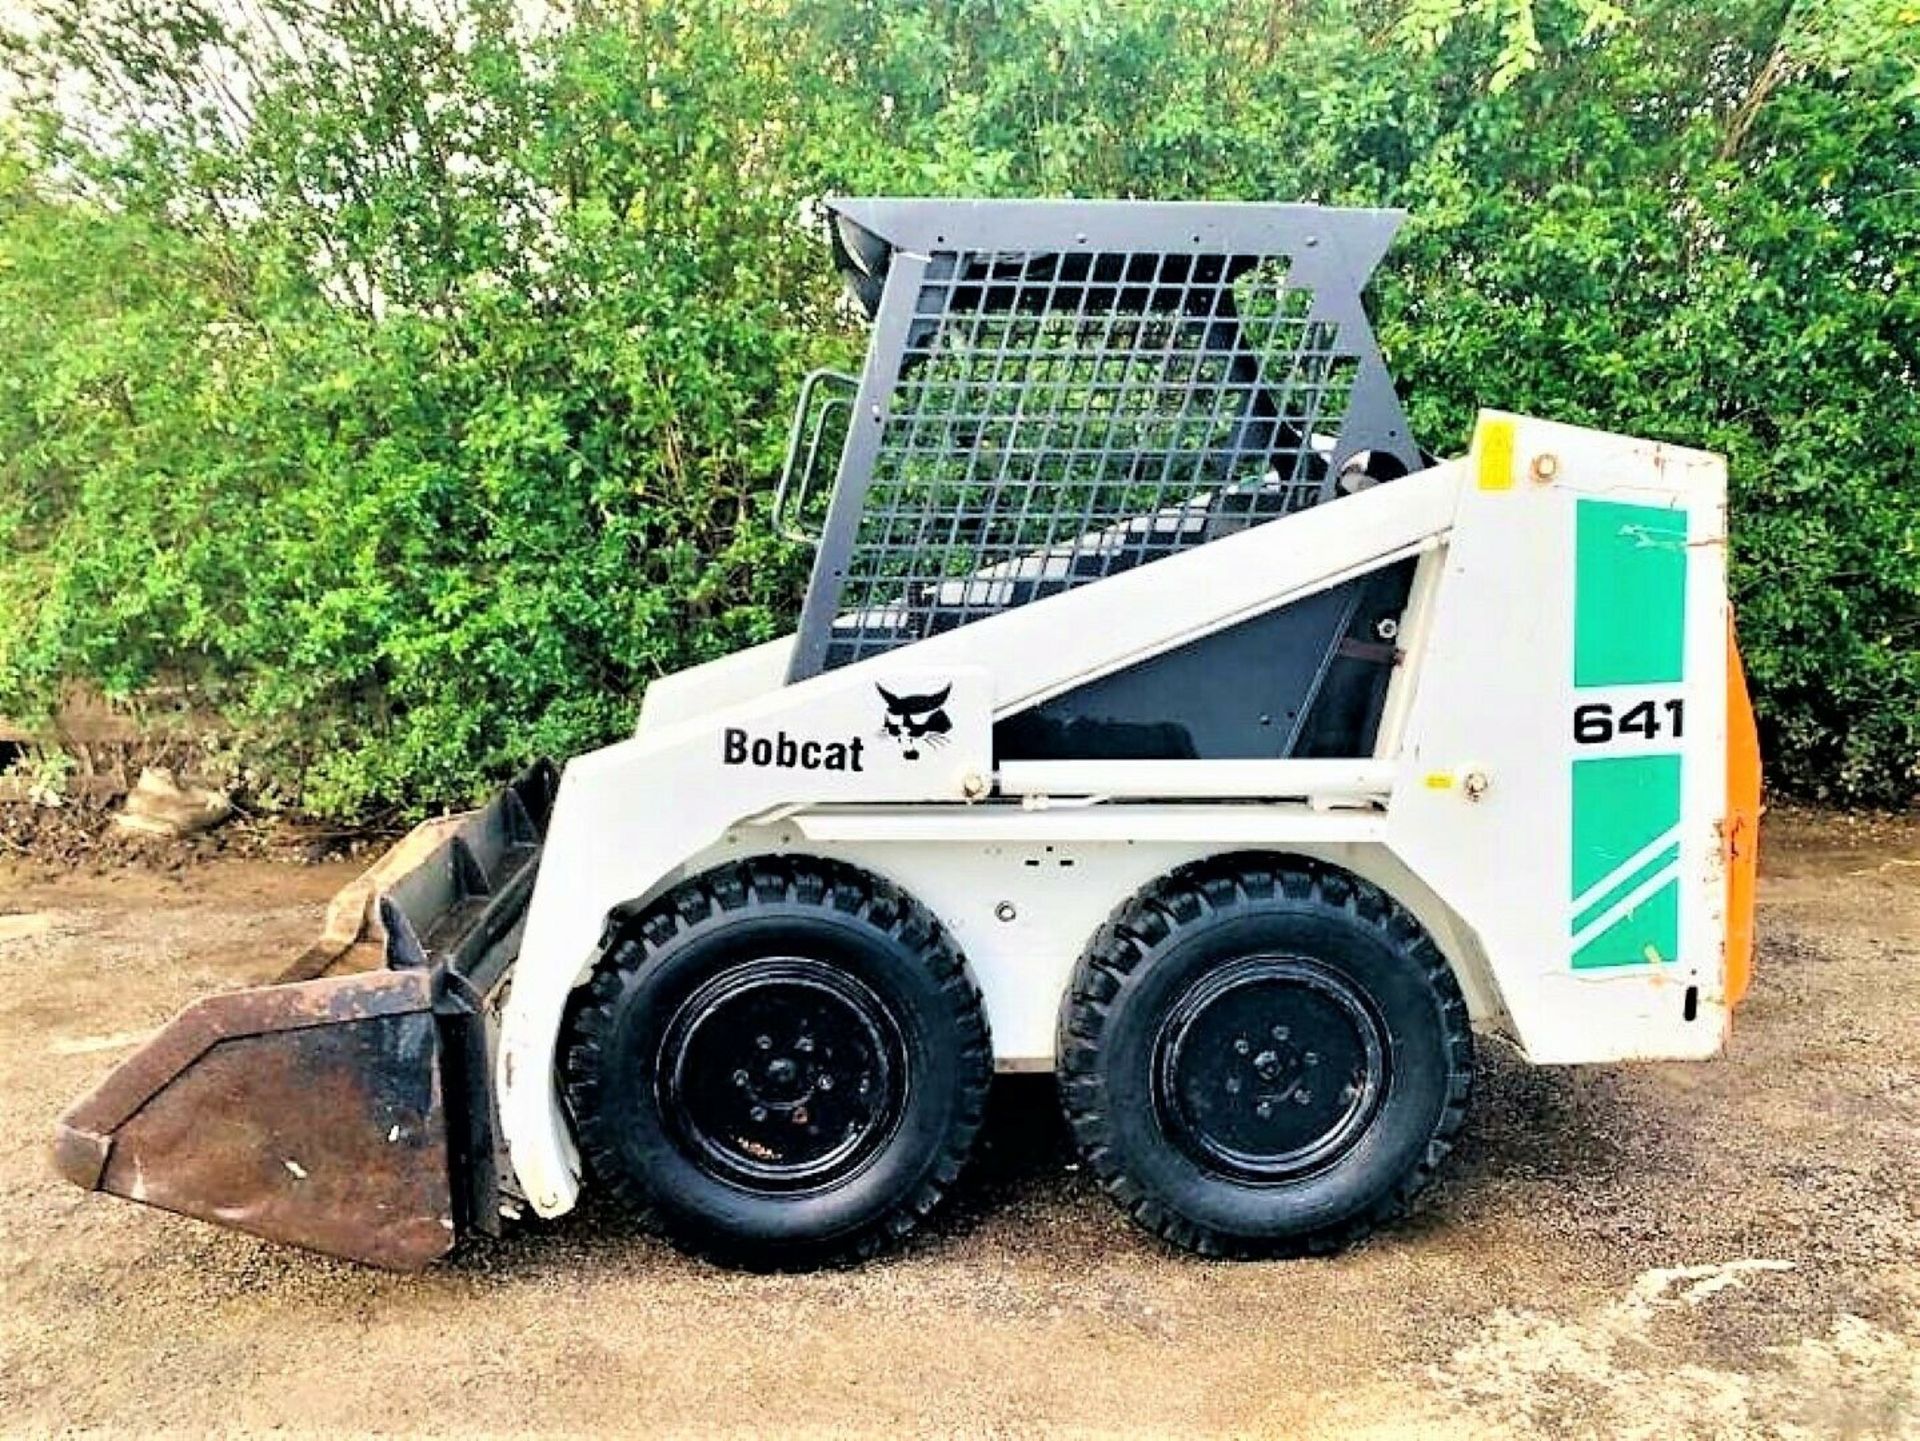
x,y
1626,868
1626,903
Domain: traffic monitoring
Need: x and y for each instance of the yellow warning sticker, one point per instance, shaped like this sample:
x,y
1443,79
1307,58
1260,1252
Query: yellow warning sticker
x,y
1496,454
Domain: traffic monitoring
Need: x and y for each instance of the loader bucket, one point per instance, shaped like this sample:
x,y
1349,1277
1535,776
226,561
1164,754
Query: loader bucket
x,y
347,1113
312,1113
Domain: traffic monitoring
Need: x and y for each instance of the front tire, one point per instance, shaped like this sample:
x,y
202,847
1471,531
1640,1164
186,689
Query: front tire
x,y
1263,1057
780,1063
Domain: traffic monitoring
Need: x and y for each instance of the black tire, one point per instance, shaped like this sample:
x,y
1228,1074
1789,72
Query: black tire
x,y
1203,1033
779,1064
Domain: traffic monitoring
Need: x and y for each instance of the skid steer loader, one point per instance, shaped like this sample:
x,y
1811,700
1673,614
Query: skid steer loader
x,y
1158,716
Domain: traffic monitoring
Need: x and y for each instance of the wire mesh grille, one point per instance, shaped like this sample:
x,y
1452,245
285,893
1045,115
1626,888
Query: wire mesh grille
x,y
1058,418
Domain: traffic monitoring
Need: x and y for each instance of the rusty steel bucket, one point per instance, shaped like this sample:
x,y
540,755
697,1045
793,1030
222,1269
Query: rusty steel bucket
x,y
345,1108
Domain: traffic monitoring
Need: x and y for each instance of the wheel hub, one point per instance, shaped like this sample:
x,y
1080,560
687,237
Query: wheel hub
x,y
1270,1068
783,1073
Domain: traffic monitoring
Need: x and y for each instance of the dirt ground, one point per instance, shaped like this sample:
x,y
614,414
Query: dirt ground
x,y
1659,1251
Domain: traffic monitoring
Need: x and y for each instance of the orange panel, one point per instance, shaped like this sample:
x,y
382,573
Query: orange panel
x,y
1741,829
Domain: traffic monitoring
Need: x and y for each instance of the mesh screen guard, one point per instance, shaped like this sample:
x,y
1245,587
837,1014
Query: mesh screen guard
x,y
1056,391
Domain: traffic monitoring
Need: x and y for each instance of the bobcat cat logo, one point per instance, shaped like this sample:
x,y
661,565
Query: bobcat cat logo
x,y
916,720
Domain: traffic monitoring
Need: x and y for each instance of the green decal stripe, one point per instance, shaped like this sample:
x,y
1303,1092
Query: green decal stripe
x,y
1630,593
1619,886
1648,933
1621,806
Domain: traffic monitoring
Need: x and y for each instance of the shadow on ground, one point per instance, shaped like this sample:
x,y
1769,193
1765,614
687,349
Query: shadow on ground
x,y
1569,1128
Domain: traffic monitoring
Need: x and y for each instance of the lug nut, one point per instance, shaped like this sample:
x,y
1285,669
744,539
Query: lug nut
x,y
1303,1098
1241,1046
1233,1085
1263,1110
759,1113
739,1078
1280,1033
765,1043
1312,1058
826,1083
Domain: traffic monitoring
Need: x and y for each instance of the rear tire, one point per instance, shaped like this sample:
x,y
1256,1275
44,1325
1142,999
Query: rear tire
x,y
780,1063
1263,1057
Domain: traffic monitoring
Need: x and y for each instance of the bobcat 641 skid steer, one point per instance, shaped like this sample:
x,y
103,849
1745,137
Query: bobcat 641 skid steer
x,y
1157,716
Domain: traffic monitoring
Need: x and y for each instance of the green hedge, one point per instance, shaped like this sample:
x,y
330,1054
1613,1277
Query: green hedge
x,y
414,398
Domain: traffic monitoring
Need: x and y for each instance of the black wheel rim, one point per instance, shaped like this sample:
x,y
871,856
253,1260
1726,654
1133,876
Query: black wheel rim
x,y
782,1074
1270,1068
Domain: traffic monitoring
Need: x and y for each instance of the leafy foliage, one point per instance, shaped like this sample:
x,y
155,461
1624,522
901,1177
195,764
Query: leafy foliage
x,y
406,382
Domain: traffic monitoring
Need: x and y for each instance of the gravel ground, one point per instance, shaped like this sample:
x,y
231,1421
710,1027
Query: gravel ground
x,y
1717,1250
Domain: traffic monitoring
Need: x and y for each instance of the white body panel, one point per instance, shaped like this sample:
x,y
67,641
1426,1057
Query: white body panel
x,y
1495,697
1462,814
703,689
